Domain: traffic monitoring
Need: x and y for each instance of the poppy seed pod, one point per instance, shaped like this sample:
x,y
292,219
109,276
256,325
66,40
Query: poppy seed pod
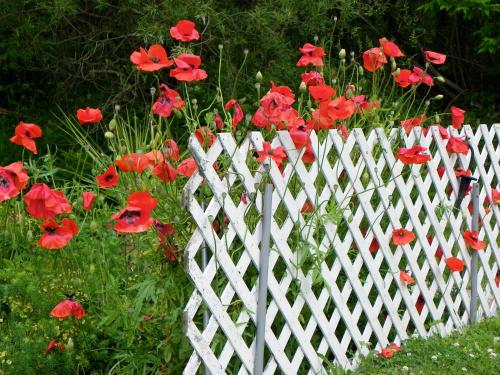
x,y
348,94
112,124
342,54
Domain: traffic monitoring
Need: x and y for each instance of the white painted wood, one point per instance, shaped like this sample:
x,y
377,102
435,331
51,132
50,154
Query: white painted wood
x,y
359,176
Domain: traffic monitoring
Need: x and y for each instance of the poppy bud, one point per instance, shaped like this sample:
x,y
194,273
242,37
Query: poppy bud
x,y
258,76
93,225
221,47
335,19
394,65
437,118
152,91
303,87
440,79
29,235
315,39
245,51
342,61
360,70
109,135
117,107
352,53
438,97
112,124
334,81
70,345
342,54
348,94
397,72
309,103
427,103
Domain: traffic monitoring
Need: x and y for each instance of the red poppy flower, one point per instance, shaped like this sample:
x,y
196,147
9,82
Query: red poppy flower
x,y
402,78
167,102
409,124
205,136
374,246
308,156
66,308
152,60
373,59
402,236
44,203
24,134
171,150
169,251
187,167
135,217
54,344
395,347
277,153
300,136
419,305
18,174
307,208
456,145
434,57
441,170
439,251
312,78
311,55
460,172
413,155
164,230
108,179
457,117
470,237
88,115
497,278
321,93
218,121
132,163
8,189
455,264
390,49
187,68
155,157
275,108
495,195
386,353
57,236
337,109
185,31
165,172
238,112
88,199
420,76
442,131
406,278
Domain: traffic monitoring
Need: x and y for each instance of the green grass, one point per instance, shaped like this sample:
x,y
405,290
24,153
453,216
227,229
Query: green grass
x,y
469,351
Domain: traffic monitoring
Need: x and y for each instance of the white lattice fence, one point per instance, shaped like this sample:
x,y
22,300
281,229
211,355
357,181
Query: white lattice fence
x,y
330,298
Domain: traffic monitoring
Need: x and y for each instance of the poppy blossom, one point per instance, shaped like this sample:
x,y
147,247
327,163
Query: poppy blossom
x,y
402,236
18,174
420,76
395,347
455,264
307,208
440,170
402,77
374,246
277,153
205,136
456,145
171,150
151,60
390,49
373,59
185,31
24,135
164,230
409,124
57,236
442,131
54,344
155,157
237,112
165,172
218,121
300,136
406,278
244,198
497,278
386,353
88,199
132,163
187,68
419,305
308,156
471,239
66,308
495,195
312,78
44,203
434,57
457,117
330,111
275,108
321,93
460,172
108,179
167,102
88,115
413,155
311,55
135,217
169,251
187,167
